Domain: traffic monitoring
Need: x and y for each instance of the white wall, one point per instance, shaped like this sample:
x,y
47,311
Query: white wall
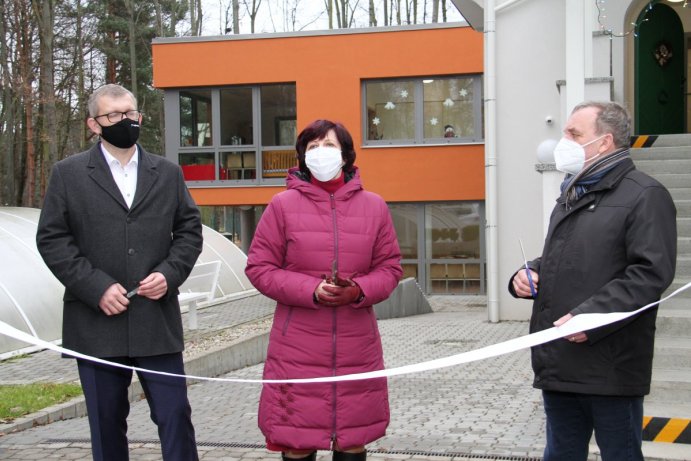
x,y
530,60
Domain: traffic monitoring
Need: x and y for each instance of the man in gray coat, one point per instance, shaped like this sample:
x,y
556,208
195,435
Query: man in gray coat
x,y
121,232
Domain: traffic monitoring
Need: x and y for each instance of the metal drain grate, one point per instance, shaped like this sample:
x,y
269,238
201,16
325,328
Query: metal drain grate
x,y
261,446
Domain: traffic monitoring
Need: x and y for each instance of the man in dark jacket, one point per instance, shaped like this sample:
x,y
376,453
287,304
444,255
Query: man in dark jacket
x,y
610,247
121,232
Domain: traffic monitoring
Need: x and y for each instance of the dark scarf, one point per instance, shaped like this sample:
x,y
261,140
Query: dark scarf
x,y
575,186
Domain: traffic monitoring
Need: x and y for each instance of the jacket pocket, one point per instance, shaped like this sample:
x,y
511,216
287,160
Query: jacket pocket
x,y
373,321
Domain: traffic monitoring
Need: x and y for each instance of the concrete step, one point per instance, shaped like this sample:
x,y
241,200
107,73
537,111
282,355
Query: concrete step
x,y
673,323
661,153
683,208
672,140
684,227
683,266
672,352
683,245
670,385
677,283
674,180
677,303
680,193
657,166
666,410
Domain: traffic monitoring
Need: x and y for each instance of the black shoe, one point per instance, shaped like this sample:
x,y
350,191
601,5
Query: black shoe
x,y
343,456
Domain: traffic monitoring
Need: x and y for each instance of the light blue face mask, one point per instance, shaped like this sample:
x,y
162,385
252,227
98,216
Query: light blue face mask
x,y
569,156
324,163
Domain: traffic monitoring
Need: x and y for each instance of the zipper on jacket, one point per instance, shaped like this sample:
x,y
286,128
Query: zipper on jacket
x,y
333,329
335,224
333,385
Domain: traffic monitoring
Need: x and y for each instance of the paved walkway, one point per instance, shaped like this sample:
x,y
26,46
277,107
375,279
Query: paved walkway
x,y
483,410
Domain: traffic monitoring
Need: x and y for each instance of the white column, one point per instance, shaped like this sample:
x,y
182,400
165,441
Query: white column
x,y
574,54
491,163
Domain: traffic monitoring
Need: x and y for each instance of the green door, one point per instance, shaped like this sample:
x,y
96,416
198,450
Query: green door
x,y
659,80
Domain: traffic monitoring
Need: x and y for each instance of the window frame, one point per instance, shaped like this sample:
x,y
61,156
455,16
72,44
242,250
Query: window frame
x,y
418,101
173,137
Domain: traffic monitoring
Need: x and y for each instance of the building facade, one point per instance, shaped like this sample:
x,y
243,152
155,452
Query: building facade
x,y
412,98
545,56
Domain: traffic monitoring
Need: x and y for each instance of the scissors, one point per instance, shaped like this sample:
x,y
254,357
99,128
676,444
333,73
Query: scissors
x,y
527,271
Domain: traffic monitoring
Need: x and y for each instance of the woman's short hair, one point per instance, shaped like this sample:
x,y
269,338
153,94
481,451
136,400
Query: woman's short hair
x,y
317,130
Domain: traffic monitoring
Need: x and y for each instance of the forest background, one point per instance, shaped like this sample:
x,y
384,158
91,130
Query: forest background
x,y
54,53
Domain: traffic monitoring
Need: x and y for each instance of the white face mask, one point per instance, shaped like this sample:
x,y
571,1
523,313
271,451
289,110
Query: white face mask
x,y
324,163
570,156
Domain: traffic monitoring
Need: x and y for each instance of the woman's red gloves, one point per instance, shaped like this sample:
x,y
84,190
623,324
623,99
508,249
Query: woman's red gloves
x,y
338,292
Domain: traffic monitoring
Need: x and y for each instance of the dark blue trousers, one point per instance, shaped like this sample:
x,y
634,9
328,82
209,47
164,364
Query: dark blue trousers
x,y
572,418
106,394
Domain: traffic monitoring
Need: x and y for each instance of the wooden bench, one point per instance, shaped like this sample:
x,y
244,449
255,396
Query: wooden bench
x,y
200,286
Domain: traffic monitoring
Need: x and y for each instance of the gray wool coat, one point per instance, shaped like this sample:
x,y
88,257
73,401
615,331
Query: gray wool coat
x,y
90,239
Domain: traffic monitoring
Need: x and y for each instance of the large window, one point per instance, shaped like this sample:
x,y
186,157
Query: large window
x,y
240,134
431,110
442,245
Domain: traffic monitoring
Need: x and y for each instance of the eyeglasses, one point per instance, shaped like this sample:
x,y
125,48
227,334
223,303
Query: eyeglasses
x,y
115,117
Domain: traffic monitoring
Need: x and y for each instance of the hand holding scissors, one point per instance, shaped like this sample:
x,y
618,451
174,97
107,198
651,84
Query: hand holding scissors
x,y
528,275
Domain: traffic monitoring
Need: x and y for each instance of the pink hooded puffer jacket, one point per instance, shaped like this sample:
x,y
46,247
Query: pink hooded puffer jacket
x,y
302,231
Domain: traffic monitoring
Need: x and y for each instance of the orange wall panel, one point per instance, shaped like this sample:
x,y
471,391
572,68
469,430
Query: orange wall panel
x,y
328,70
328,57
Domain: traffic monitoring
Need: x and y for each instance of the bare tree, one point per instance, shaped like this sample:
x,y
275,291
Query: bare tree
x,y
236,16
252,12
435,10
132,39
47,141
372,14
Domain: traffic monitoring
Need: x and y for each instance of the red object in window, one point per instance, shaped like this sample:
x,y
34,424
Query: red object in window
x,y
198,172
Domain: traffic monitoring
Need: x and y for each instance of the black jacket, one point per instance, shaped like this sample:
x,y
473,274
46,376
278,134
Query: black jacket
x,y
613,250
90,239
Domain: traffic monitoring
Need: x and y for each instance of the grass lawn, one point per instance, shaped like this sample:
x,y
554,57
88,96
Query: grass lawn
x,y
20,400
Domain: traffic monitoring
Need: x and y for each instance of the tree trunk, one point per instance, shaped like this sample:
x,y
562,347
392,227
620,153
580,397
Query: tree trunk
x,y
47,141
372,14
24,41
236,16
132,35
435,10
82,108
329,4
7,152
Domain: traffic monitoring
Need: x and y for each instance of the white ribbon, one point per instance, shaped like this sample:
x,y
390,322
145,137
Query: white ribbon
x,y
579,323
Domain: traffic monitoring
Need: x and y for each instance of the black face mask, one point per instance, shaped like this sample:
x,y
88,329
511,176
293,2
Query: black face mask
x,y
123,134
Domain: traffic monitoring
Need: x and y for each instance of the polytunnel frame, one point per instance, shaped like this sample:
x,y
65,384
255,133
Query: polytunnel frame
x,y
18,238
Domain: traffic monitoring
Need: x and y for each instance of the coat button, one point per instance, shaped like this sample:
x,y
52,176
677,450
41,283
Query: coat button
x,y
130,251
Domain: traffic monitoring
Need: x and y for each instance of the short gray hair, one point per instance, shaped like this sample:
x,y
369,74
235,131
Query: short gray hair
x,y
611,118
111,90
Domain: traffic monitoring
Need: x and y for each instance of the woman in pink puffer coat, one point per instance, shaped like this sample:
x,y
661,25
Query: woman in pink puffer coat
x,y
326,250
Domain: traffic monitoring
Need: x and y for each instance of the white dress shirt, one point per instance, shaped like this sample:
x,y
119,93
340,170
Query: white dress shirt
x,y
125,177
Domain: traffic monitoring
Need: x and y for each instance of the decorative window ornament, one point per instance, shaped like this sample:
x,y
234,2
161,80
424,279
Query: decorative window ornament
x,y
389,105
463,93
663,53
404,93
448,102
376,121
433,121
